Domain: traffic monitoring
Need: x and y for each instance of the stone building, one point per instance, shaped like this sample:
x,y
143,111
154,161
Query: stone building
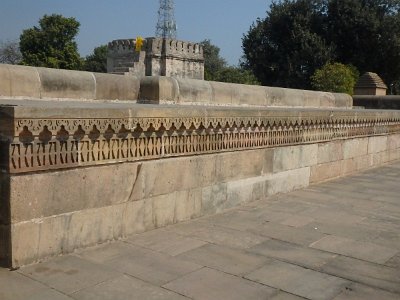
x,y
158,57
370,84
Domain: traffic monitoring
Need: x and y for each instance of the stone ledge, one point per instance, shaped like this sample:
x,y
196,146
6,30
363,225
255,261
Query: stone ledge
x,y
44,83
170,90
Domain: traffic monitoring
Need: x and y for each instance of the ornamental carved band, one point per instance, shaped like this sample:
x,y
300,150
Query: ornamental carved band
x,y
45,144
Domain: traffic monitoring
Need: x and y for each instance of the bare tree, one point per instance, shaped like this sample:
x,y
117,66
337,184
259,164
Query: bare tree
x,y
9,53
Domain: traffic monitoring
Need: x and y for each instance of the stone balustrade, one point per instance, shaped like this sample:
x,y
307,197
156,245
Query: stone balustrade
x,y
83,172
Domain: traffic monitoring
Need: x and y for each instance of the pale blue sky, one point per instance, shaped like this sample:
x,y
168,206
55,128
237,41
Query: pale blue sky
x,y
222,21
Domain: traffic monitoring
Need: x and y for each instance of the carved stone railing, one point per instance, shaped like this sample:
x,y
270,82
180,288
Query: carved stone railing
x,y
44,139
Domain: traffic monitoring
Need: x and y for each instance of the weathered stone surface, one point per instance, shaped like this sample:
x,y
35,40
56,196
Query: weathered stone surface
x,y
61,270
329,152
220,258
355,147
299,281
191,91
377,144
116,87
361,250
24,81
126,287
211,284
294,157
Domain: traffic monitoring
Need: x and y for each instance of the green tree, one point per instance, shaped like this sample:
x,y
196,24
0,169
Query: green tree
x,y
367,35
237,75
52,44
217,69
9,53
213,62
97,61
336,78
286,47
299,36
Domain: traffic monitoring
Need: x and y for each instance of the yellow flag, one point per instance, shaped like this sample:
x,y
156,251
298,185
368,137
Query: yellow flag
x,y
139,43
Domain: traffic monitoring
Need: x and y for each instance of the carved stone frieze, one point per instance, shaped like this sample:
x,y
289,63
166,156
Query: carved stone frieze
x,y
56,143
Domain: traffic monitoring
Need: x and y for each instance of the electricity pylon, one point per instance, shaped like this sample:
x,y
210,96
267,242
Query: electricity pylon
x,y
166,25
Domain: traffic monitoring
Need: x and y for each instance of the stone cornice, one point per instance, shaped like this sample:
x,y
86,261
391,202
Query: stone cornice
x,y
40,138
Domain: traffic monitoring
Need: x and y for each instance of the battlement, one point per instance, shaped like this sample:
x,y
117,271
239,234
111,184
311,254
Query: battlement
x,y
159,57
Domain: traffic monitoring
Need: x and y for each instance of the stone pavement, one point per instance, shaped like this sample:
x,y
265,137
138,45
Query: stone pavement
x,y
336,240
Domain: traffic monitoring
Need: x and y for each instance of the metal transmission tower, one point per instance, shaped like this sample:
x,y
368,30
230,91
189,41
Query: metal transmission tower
x,y
166,25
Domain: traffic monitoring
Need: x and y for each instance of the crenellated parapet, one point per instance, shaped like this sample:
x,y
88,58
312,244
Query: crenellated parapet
x,y
161,57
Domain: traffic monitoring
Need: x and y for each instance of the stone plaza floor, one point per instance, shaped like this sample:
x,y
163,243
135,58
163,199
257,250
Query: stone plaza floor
x,y
335,240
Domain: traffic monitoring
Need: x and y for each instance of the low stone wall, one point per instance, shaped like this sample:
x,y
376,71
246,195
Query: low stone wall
x,y
44,83
190,91
377,102
85,174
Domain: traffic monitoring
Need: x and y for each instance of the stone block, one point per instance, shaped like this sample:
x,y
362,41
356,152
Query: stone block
x,y
237,165
188,205
68,84
248,95
159,177
25,243
377,144
394,141
349,166
287,181
330,151
221,93
99,186
194,91
380,158
25,81
213,198
137,217
5,81
116,87
325,171
294,157
164,208
355,147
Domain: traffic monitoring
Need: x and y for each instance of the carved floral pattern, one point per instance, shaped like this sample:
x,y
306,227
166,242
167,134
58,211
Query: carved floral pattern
x,y
43,144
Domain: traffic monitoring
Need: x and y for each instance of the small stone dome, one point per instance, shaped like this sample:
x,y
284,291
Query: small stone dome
x,y
370,84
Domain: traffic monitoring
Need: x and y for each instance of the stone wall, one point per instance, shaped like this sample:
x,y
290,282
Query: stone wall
x,y
44,83
159,57
377,102
99,172
167,90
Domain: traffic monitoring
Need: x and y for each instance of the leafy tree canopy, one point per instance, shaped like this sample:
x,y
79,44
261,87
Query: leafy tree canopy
x,y
97,61
52,44
298,37
9,53
336,78
217,69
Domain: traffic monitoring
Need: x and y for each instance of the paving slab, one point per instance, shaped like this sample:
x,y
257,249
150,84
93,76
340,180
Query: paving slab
x,y
69,274
228,260
298,280
375,275
150,266
358,292
209,284
296,254
165,241
16,286
289,234
361,250
336,240
126,288
229,237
